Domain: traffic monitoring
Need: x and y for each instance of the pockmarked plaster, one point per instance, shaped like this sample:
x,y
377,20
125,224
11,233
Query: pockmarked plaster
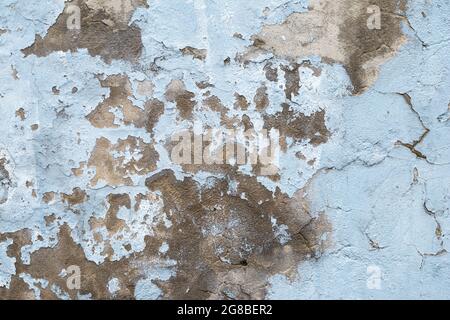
x,y
348,197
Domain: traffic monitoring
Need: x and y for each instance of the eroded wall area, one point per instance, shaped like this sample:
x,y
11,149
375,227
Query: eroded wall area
x,y
114,182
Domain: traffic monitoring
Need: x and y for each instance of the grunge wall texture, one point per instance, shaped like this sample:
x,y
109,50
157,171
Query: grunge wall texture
x,y
92,206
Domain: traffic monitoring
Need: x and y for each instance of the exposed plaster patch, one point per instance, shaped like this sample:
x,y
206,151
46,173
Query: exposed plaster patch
x,y
106,115
215,233
298,126
176,92
199,54
116,163
104,31
337,32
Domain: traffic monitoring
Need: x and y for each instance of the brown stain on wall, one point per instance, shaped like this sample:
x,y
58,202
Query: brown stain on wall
x,y
271,72
19,289
104,31
292,78
225,245
199,54
261,98
112,223
116,170
119,97
48,263
78,196
176,92
20,113
240,102
222,238
299,126
337,31
233,261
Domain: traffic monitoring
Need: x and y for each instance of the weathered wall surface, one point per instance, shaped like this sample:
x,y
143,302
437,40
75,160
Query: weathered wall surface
x,y
100,200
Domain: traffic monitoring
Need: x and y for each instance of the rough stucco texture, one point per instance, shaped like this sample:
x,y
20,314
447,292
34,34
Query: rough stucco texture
x,y
93,205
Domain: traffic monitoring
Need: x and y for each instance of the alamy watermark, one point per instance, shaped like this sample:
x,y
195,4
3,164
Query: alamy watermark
x,y
73,281
218,146
374,20
374,279
74,20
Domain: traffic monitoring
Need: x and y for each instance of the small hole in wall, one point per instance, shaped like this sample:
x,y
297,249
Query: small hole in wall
x,y
244,263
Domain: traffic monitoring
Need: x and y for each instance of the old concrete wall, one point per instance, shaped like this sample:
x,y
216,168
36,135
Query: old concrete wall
x,y
113,186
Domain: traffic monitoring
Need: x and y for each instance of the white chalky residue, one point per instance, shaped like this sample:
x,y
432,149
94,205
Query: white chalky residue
x,y
281,231
113,286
